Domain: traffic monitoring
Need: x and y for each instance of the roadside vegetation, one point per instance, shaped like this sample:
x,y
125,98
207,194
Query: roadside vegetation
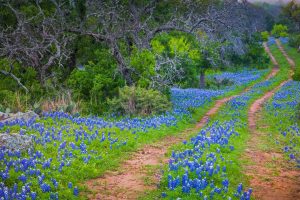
x,y
103,79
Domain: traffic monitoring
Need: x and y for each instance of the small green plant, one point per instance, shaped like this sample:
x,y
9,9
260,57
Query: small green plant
x,y
265,35
296,76
139,101
298,113
294,40
279,30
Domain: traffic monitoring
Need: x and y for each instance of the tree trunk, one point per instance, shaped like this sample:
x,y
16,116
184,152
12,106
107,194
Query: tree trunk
x,y
123,68
202,80
42,77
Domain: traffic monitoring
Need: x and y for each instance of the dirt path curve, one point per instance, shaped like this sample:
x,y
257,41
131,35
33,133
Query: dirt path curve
x,y
281,181
140,173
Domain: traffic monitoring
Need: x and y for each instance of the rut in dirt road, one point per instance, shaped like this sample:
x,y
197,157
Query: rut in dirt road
x,y
266,185
139,173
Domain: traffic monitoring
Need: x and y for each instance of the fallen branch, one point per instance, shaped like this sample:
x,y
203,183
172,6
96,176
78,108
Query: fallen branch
x,y
15,78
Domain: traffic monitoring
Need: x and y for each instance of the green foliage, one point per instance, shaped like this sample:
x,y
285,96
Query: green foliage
x,y
139,101
296,76
95,82
6,99
279,30
12,95
255,55
295,55
143,62
218,84
294,40
265,35
183,47
13,101
291,16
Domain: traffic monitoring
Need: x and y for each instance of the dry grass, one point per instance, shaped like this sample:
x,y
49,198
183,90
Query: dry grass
x,y
63,102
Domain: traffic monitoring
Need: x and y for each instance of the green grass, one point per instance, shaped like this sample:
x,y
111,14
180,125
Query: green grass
x,y
295,55
288,116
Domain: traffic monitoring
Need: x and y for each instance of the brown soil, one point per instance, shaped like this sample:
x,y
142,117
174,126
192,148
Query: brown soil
x,y
271,177
140,173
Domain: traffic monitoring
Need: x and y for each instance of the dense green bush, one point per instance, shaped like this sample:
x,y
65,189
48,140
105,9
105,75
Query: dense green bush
x,y
296,76
183,48
255,55
279,30
294,40
265,35
94,82
139,101
13,101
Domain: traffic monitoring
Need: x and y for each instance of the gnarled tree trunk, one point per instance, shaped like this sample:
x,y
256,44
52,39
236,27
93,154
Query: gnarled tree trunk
x,y
202,80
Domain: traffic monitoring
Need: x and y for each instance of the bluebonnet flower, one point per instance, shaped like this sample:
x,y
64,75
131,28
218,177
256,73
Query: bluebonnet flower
x,y
163,195
23,178
45,187
76,191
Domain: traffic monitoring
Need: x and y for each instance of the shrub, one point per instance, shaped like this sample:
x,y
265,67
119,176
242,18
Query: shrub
x,y
294,40
139,101
265,35
94,82
296,76
13,101
279,30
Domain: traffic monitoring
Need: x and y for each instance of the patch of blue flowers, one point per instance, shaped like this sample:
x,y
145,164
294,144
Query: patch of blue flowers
x,y
271,41
284,40
200,169
282,110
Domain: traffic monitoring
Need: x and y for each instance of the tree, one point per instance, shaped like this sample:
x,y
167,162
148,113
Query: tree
x,y
125,27
279,30
292,12
35,36
265,35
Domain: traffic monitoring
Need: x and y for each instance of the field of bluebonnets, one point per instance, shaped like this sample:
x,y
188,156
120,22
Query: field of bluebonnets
x,y
70,149
207,166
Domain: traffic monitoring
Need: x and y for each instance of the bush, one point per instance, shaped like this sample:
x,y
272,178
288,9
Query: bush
x,y
13,101
296,76
94,82
265,35
218,83
294,40
139,101
279,30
